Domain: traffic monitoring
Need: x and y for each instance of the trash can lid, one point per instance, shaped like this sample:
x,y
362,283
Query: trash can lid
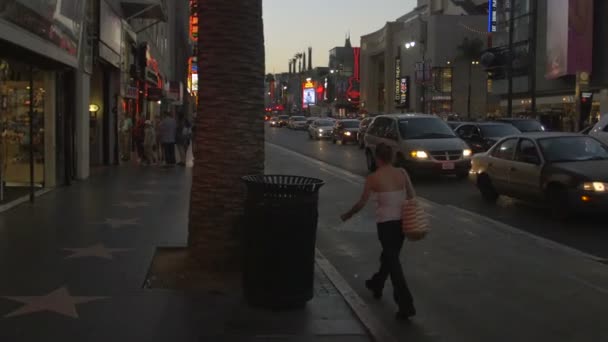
x,y
284,182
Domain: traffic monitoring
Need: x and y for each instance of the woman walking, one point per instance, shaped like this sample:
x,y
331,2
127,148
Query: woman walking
x,y
391,187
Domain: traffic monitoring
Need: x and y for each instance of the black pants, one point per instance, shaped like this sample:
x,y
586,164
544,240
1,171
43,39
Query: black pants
x,y
391,237
169,153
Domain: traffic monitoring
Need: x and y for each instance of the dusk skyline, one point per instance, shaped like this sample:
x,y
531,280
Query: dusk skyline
x,y
292,26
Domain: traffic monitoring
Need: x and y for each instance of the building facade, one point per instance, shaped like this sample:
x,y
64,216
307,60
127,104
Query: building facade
x,y
74,77
417,64
564,96
39,60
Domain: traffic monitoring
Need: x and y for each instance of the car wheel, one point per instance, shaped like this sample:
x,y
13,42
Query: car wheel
x,y
488,192
371,163
557,196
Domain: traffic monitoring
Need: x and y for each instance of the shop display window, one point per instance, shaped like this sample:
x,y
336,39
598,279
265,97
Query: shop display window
x,y
21,90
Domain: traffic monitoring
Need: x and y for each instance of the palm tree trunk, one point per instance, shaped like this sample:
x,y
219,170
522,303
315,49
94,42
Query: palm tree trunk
x,y
229,126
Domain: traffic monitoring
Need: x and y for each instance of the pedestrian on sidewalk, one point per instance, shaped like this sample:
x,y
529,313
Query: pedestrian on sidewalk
x,y
183,139
149,142
391,187
138,137
168,128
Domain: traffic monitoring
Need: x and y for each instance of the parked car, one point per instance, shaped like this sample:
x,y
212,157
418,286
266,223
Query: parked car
x,y
423,144
454,124
310,120
322,128
363,125
283,120
346,131
600,130
569,171
480,136
297,122
274,121
524,125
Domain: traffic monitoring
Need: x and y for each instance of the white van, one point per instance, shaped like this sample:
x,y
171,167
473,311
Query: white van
x,y
600,130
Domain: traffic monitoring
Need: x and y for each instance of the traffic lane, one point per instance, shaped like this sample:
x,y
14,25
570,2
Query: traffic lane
x,y
348,157
586,233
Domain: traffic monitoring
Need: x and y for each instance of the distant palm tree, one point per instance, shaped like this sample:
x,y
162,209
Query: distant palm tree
x,y
229,126
470,51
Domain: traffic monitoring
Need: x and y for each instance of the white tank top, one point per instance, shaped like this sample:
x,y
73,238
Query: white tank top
x,y
389,205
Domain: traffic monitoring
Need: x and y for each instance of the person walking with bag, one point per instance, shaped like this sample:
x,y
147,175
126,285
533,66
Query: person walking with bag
x,y
168,128
391,187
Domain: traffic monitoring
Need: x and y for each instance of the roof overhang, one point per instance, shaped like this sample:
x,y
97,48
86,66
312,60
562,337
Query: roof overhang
x,y
145,9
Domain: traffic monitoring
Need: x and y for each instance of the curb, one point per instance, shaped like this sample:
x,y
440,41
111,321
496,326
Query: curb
x,y
376,330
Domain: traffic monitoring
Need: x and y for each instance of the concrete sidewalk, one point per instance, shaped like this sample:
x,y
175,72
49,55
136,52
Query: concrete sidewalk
x,y
473,279
74,264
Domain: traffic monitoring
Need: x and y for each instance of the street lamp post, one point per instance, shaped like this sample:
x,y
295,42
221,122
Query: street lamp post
x,y
411,45
473,62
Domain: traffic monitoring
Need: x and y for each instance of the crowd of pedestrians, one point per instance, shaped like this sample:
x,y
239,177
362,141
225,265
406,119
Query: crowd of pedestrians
x,y
155,141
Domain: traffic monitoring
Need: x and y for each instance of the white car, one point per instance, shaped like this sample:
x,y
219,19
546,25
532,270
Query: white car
x,y
600,130
297,122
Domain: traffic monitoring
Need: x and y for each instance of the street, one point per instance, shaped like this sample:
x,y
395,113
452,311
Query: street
x,y
587,234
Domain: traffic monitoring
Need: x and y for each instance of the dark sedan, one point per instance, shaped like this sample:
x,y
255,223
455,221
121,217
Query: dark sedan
x,y
524,125
480,136
283,120
363,125
346,131
568,171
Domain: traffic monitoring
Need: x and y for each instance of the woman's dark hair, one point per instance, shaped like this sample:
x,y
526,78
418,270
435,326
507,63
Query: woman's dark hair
x,y
384,153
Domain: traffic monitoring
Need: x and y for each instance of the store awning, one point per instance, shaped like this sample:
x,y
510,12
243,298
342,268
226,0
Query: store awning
x,y
145,9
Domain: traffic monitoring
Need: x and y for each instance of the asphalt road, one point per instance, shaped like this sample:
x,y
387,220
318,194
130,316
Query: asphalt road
x,y
588,234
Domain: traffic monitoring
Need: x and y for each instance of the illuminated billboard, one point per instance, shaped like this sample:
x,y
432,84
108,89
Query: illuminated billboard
x,y
309,97
569,38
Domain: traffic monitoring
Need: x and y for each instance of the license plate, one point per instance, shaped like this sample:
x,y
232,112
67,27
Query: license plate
x,y
448,166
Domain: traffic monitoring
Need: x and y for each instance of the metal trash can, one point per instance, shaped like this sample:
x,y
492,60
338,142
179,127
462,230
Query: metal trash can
x,y
279,236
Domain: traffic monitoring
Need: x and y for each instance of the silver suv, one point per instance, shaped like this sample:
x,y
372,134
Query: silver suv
x,y
423,144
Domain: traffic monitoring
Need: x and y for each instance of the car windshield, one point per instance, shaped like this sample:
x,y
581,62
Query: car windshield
x,y
572,149
274,118
528,125
498,131
284,117
424,128
350,124
324,123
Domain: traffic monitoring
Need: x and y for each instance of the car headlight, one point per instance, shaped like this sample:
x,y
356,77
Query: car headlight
x,y
320,130
419,155
595,186
467,153
348,134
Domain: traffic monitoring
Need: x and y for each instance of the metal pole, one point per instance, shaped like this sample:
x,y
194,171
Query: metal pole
x,y
533,49
469,90
510,59
424,78
31,130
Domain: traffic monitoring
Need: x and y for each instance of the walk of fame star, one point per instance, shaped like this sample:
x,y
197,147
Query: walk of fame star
x,y
58,301
97,251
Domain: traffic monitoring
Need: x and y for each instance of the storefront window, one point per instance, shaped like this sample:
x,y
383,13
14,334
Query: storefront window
x,y
22,105
58,22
